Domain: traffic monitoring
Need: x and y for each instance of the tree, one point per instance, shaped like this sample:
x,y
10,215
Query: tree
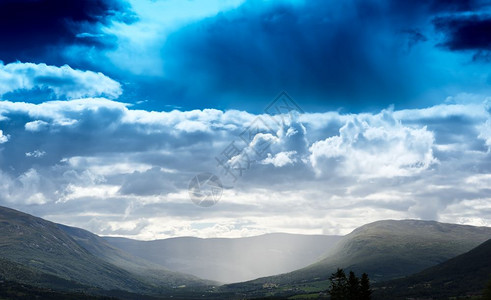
x,y
365,290
339,285
353,286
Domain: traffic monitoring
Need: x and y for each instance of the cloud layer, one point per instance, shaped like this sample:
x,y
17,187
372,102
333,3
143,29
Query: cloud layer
x,y
126,171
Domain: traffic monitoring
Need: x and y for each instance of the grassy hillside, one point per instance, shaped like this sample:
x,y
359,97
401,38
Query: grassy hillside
x,y
466,274
38,249
231,260
14,290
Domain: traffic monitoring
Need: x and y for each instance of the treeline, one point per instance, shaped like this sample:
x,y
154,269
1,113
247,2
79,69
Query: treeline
x,y
349,288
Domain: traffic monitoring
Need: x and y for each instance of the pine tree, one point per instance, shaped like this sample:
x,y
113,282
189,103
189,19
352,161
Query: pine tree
x,y
339,283
365,290
354,288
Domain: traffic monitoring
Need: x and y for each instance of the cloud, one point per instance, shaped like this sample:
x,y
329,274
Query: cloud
x,y
374,146
362,55
62,81
469,32
37,125
38,28
280,159
328,55
3,138
35,154
123,165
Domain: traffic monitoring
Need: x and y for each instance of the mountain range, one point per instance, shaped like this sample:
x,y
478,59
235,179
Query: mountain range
x,y
407,258
384,250
231,260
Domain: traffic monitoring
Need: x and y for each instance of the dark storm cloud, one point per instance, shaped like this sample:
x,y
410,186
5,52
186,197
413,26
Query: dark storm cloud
x,y
31,29
357,54
258,50
466,32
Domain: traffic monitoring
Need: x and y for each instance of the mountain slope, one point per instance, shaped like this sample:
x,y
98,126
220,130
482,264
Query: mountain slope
x,y
31,245
153,273
384,250
231,260
463,275
391,249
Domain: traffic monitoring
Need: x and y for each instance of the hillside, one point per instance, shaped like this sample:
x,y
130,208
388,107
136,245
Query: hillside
x,y
231,260
38,252
384,249
466,274
392,249
150,272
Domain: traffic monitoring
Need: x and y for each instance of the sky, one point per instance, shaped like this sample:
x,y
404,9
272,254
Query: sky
x,y
315,117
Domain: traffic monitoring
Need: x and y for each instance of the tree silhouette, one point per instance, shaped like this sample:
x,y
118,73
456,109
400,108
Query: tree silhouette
x,y
339,285
365,290
351,288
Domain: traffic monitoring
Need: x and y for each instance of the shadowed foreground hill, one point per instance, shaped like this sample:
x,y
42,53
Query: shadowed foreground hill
x,y
42,253
466,274
231,260
385,250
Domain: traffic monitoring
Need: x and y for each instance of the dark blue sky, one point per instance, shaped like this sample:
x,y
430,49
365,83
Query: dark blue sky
x,y
357,55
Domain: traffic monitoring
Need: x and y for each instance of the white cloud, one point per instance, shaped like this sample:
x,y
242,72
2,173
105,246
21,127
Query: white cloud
x,y
374,146
111,166
63,81
3,138
37,125
280,159
485,133
36,154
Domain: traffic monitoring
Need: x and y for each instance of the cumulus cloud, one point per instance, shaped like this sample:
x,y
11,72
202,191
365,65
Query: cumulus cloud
x,y
63,81
123,165
374,146
280,159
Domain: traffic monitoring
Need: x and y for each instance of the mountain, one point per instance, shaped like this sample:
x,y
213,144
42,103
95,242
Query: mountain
x,y
392,249
466,274
152,273
231,260
41,253
384,249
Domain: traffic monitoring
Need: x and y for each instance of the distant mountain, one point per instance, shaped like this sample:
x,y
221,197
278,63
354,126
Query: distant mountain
x,y
383,249
466,274
231,260
38,252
